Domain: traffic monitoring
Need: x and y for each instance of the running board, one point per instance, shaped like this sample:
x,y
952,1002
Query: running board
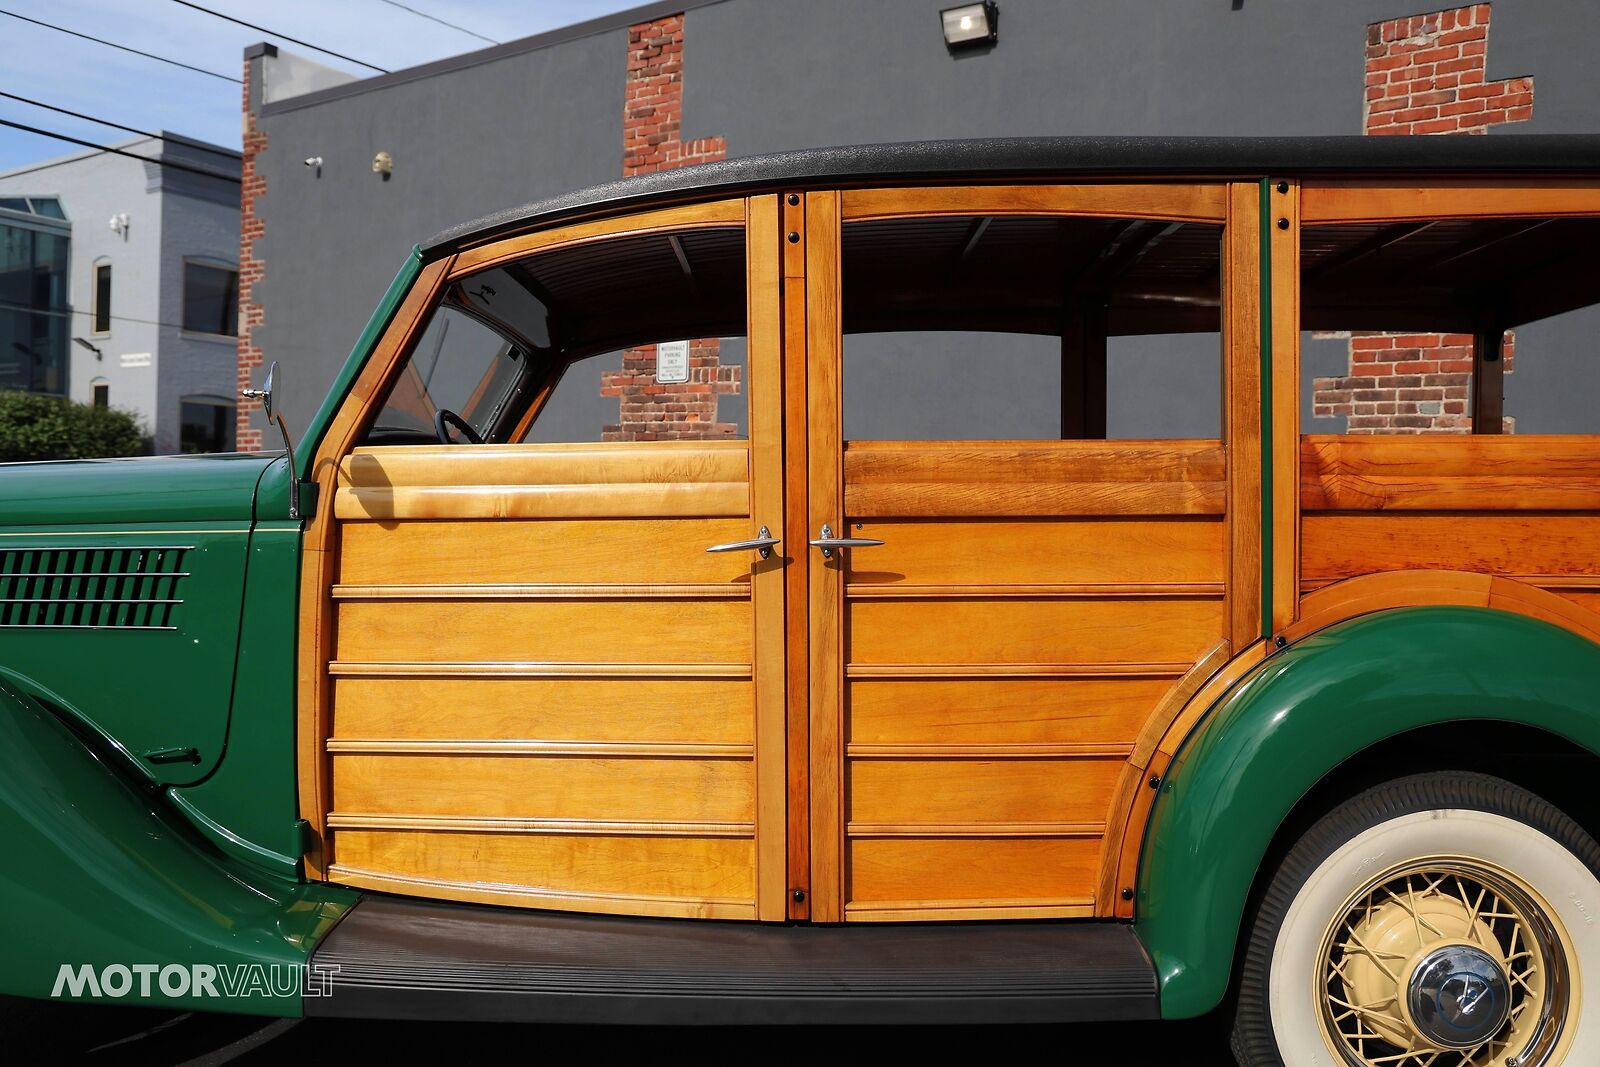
x,y
402,958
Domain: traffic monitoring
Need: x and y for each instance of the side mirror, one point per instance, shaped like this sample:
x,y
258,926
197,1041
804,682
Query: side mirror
x,y
265,395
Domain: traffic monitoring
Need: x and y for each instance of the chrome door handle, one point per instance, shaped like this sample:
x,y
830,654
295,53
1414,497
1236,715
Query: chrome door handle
x,y
763,542
827,542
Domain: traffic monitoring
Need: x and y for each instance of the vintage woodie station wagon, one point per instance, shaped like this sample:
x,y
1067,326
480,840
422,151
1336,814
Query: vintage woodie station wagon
x,y
909,583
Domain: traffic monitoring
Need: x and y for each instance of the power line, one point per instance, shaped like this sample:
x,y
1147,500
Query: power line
x,y
122,47
440,21
284,36
120,152
67,313
117,125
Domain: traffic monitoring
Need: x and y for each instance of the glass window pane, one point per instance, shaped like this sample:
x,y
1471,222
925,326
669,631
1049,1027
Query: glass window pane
x,y
1031,328
48,207
206,424
102,298
210,299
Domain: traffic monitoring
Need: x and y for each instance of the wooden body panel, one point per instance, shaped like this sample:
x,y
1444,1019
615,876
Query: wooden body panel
x,y
544,704
1029,608
1519,507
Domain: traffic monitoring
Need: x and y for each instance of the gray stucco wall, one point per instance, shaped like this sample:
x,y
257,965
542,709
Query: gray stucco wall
x,y
487,137
770,75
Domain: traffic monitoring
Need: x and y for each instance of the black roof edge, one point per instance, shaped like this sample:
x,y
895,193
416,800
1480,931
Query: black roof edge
x,y
262,48
561,35
1037,158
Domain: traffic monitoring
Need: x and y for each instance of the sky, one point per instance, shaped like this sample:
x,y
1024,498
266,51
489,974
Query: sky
x,y
91,78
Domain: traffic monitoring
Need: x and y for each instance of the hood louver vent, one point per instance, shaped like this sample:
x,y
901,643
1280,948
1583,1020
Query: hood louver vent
x,y
126,587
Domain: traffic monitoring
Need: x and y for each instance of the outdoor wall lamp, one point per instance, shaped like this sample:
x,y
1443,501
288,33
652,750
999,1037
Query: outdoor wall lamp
x,y
971,25
93,348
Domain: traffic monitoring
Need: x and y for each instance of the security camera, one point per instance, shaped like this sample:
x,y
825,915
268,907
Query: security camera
x,y
313,161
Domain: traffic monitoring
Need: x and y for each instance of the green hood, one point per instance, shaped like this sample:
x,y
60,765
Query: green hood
x,y
140,489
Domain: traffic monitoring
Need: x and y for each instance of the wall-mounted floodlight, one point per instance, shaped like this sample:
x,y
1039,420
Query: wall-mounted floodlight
x,y
971,25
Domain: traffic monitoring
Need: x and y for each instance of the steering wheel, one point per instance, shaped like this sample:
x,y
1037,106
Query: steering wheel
x,y
444,418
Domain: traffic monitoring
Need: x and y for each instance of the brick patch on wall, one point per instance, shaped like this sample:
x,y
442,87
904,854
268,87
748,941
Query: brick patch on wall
x,y
252,185
1424,75
1406,383
651,118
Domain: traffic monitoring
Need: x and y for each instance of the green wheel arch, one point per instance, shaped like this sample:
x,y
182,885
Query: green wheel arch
x,y
97,873
1300,715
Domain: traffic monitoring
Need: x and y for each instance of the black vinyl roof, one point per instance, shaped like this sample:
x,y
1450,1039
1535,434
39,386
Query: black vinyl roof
x,y
1039,158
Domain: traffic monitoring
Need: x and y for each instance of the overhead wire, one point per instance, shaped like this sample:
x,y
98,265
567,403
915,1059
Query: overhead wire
x,y
122,47
116,125
440,21
169,163
283,36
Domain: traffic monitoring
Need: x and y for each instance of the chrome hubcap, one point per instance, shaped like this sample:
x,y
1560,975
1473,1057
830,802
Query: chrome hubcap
x,y
1458,997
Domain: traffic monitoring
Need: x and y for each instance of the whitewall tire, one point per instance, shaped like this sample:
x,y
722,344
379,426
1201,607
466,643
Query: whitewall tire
x,y
1441,920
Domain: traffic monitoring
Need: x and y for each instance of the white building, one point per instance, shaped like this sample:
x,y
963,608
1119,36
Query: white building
x,y
119,285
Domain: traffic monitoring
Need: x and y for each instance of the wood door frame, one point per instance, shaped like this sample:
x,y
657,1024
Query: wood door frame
x,y
1238,208
758,217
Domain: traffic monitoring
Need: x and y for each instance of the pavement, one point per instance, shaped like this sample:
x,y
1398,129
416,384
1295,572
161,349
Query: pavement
x,y
36,1032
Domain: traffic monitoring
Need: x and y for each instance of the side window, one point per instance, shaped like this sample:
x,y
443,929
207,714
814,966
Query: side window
x,y
1031,328
102,298
627,339
206,423
1450,326
210,299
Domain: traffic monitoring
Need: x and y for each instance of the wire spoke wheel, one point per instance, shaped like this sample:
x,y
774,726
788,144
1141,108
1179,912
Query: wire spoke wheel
x,y
1444,962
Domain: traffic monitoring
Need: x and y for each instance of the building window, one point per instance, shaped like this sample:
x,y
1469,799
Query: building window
x,y
102,298
101,395
206,424
34,314
210,299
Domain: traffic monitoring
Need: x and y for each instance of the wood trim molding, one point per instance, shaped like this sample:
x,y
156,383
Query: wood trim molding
x,y
1384,200
716,213
1394,589
489,893
1284,521
319,563
1181,202
1242,401
825,481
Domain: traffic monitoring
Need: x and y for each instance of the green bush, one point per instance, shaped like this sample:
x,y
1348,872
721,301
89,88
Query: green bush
x,y
35,426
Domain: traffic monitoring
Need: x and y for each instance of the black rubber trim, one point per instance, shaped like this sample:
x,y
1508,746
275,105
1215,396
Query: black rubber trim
x,y
417,959
1038,158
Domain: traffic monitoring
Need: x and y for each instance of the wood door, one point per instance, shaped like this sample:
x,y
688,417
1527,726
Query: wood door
x,y
1026,590
543,689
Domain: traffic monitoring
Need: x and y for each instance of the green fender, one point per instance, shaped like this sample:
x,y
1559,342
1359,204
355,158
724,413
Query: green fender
x,y
1299,715
98,873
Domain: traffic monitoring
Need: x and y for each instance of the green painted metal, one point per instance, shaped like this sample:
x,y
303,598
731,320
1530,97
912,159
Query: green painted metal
x,y
247,806
1297,717
150,689
100,873
145,489
1266,405
318,426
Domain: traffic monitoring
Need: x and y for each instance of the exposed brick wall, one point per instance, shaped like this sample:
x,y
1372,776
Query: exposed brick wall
x,y
1406,383
651,117
250,359
652,412
652,106
1424,75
